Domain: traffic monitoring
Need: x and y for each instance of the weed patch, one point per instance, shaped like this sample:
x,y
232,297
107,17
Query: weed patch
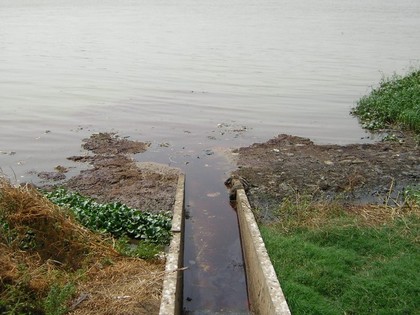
x,y
55,302
395,102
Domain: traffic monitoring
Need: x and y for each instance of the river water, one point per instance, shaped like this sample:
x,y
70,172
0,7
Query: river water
x,y
173,71
191,77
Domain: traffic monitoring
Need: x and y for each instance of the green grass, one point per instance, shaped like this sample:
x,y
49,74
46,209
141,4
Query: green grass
x,y
58,296
345,267
396,102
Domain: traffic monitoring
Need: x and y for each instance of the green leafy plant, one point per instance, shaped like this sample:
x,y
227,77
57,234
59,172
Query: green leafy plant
x,y
115,218
141,249
6,234
56,301
412,194
43,248
395,102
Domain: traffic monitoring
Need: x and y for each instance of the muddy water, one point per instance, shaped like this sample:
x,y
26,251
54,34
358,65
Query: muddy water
x,y
155,69
215,279
191,76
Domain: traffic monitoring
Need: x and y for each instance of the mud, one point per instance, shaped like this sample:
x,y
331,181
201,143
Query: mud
x,y
115,176
357,173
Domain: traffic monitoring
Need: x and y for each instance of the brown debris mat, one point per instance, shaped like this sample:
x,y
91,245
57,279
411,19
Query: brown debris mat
x,y
359,173
115,175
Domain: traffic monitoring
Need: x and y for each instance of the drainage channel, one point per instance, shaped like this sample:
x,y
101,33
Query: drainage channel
x,y
214,281
205,268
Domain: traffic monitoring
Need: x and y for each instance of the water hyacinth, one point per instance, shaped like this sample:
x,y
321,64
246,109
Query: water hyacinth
x,y
115,218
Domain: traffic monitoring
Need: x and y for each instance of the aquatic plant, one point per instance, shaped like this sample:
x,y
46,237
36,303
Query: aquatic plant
x,y
114,218
47,259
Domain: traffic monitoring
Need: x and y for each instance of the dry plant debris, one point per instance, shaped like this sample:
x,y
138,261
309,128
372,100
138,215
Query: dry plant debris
x,y
42,245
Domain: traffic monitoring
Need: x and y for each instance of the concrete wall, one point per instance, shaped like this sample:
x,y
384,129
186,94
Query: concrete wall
x,y
265,294
171,302
264,290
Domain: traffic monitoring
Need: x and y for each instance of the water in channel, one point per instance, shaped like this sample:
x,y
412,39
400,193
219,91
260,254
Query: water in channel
x,y
215,279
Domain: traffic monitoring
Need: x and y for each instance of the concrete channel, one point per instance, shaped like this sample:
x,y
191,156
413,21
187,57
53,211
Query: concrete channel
x,y
265,294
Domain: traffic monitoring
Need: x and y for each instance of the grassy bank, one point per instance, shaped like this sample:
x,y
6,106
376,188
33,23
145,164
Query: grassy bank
x,y
396,102
356,260
365,259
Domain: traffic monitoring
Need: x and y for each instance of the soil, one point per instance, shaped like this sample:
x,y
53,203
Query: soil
x,y
357,173
277,169
115,176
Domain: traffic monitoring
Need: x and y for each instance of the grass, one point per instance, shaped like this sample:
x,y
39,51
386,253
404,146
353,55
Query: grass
x,y
55,302
356,260
396,102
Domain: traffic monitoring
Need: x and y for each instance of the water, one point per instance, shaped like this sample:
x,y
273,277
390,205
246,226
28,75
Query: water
x,y
191,76
215,279
155,69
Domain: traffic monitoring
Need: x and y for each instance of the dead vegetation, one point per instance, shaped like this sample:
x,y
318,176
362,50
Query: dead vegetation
x,y
306,212
126,287
42,247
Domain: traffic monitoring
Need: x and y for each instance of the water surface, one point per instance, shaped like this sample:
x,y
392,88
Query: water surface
x,y
155,70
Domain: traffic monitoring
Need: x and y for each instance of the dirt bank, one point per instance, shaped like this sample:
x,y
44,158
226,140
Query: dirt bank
x,y
115,176
356,173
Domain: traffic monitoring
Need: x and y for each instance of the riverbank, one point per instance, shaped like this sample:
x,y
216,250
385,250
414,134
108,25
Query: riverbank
x,y
341,223
357,191
53,265
278,170
355,174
